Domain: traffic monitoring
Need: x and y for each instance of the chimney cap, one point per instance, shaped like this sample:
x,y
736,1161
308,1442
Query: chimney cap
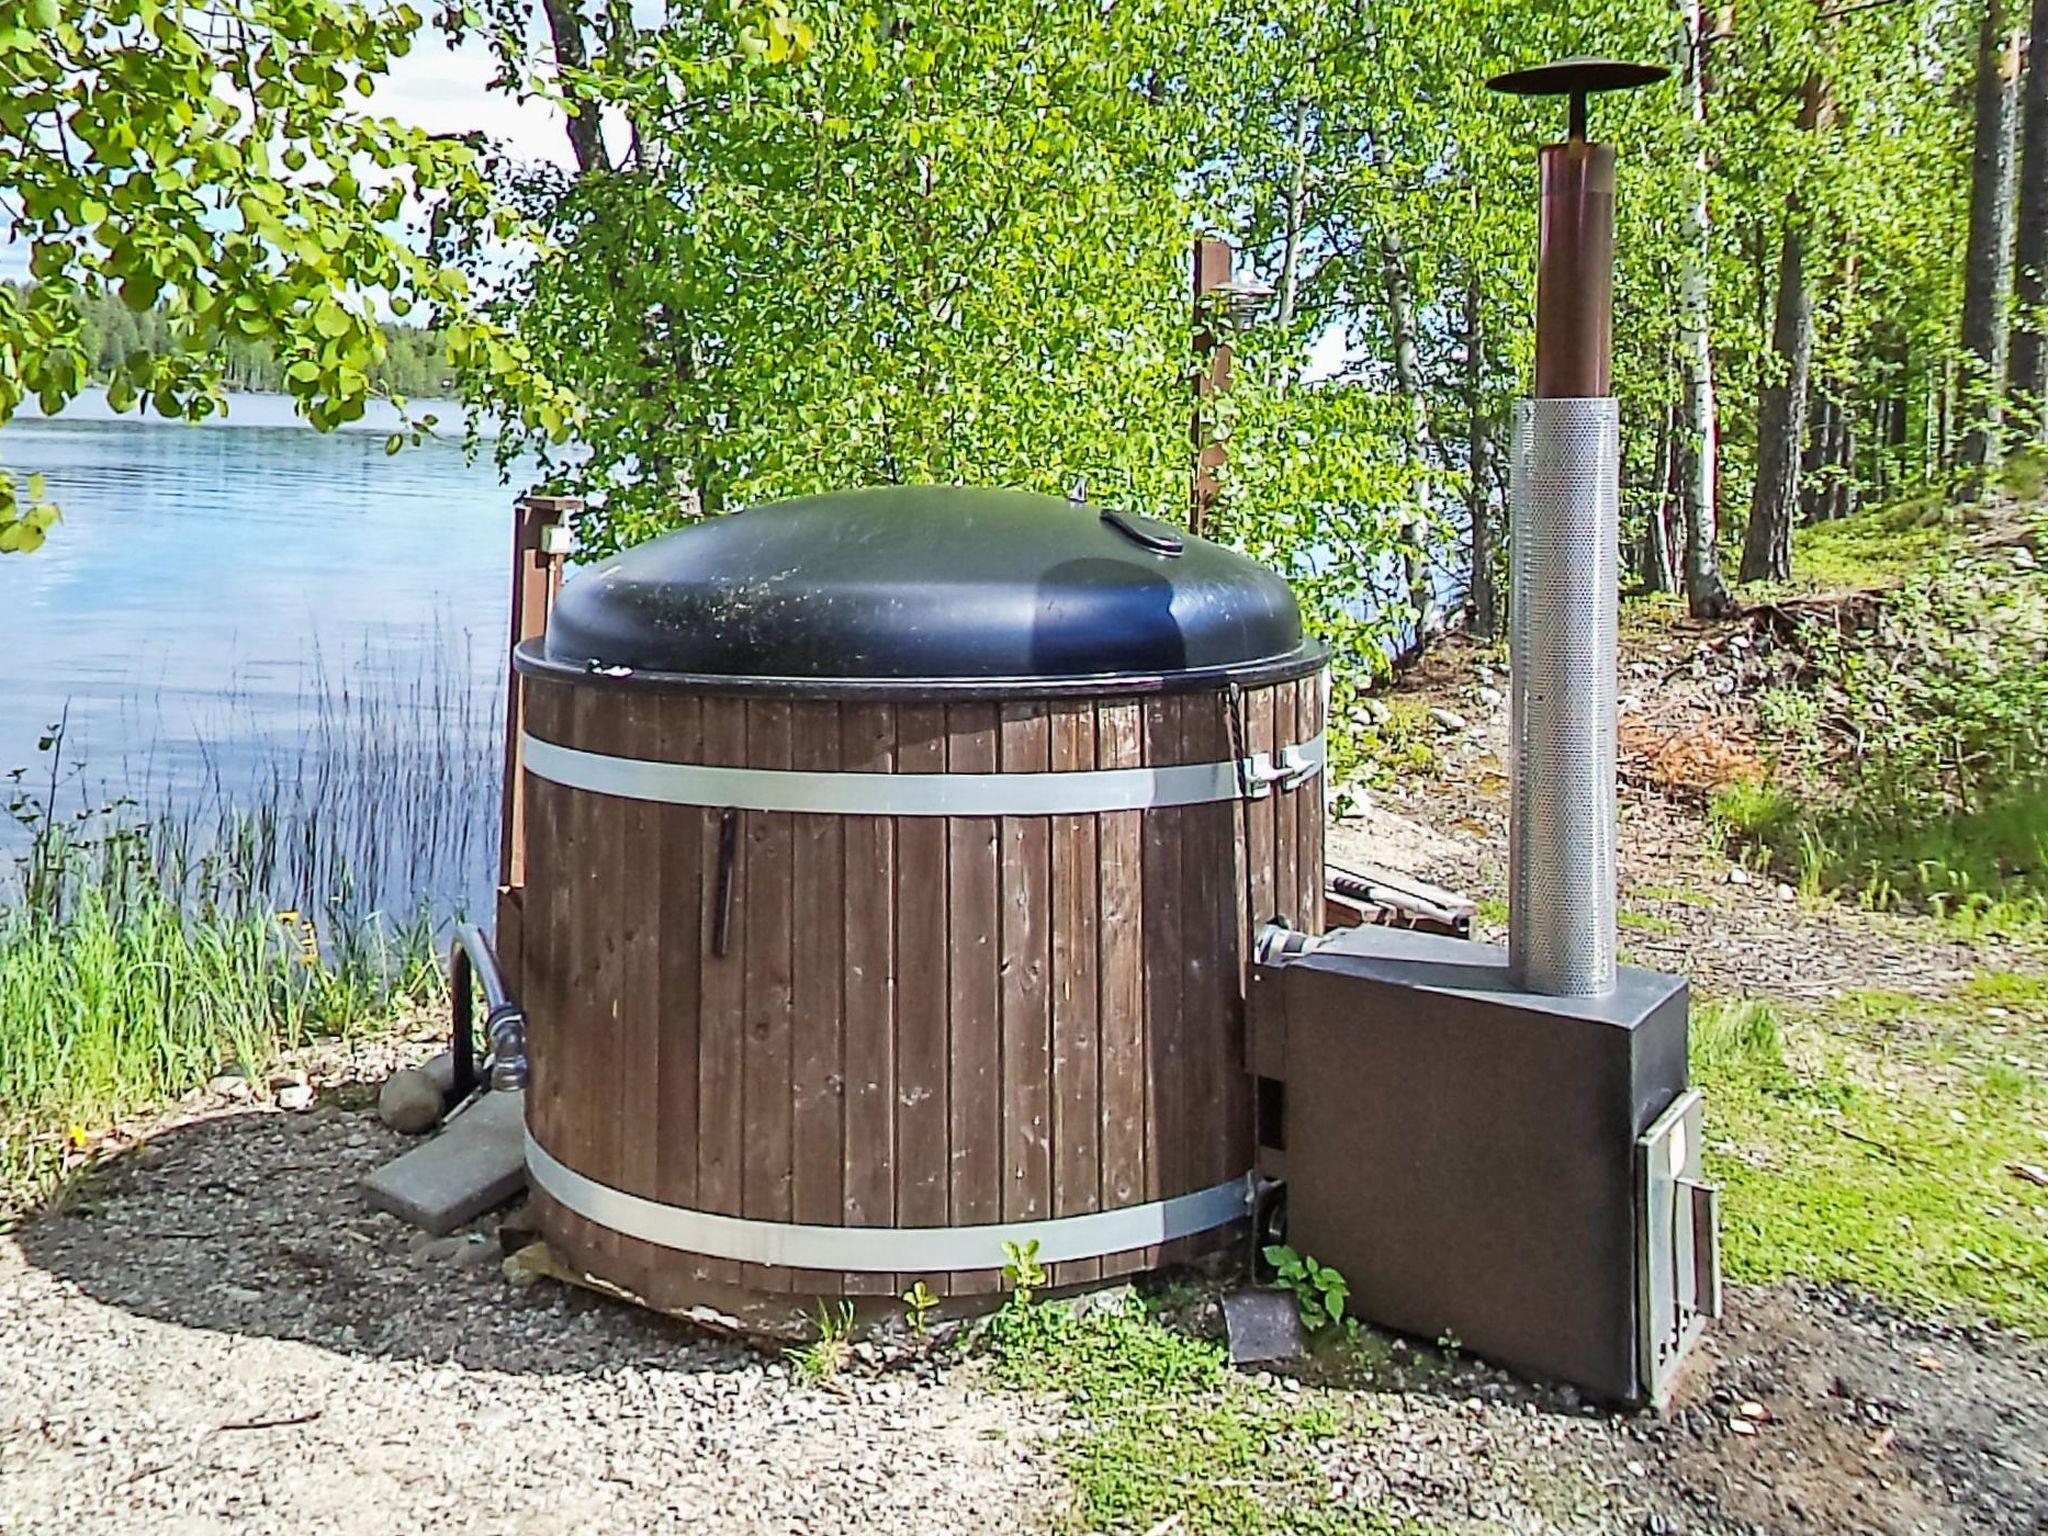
x,y
1577,77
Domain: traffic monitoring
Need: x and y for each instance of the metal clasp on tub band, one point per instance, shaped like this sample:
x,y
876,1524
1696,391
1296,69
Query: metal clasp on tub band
x,y
1075,792
793,1245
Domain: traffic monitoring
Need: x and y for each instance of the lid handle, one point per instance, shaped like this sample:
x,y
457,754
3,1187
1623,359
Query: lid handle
x,y
1164,542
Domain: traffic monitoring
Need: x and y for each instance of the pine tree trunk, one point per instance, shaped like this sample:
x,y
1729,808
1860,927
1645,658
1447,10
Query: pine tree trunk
x,y
1781,415
2027,356
1482,601
1984,260
1408,382
1697,448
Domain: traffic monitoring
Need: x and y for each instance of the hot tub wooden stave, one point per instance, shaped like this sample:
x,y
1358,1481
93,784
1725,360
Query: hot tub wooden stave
x,y
918,1021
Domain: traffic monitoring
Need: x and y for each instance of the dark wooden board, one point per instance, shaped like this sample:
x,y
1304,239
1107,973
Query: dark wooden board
x,y
1169,1130
974,990
766,1161
922,1129
1076,957
867,734
679,890
639,1024
1120,977
817,1090
721,1037
1026,968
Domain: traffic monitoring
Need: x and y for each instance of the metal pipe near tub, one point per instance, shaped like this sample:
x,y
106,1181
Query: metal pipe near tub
x,y
471,964
1564,539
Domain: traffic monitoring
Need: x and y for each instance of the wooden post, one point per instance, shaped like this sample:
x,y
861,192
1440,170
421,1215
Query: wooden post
x,y
1212,375
540,551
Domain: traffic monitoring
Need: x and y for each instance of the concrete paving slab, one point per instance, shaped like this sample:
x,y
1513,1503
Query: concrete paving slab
x,y
477,1162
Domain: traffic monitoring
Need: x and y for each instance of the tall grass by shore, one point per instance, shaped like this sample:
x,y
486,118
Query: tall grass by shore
x,y
294,889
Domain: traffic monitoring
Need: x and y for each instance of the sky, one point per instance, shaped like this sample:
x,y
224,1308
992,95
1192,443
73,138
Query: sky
x,y
444,91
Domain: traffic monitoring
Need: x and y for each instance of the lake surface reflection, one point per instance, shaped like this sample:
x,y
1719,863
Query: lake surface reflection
x,y
260,617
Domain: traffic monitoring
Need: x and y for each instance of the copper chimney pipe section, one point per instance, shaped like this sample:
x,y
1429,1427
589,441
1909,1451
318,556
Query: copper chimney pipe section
x,y
1575,234
1575,271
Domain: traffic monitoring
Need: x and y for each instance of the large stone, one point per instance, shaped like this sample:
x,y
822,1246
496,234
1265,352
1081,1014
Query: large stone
x,y
410,1101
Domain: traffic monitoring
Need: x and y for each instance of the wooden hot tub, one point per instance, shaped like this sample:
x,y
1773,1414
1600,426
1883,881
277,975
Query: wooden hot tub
x,y
886,893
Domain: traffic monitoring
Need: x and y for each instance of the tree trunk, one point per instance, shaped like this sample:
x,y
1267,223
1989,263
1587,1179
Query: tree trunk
x,y
1290,255
1656,568
1812,483
1984,261
1706,595
1482,601
1408,382
586,134
1781,415
1781,404
2027,356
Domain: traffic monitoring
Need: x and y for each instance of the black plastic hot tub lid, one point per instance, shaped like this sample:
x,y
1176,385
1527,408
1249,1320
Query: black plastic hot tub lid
x,y
945,588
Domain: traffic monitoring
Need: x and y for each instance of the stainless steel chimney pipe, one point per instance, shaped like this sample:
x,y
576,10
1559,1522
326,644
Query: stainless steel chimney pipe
x,y
1563,538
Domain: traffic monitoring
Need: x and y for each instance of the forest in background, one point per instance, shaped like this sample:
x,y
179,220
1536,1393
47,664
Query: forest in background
x,y
414,365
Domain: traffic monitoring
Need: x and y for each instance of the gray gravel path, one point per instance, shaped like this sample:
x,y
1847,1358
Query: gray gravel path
x,y
224,1338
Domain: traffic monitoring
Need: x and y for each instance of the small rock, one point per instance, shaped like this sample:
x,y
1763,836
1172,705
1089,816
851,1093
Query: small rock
x,y
1737,875
295,1097
1755,1412
1742,1426
1449,719
409,1101
1786,893
229,1085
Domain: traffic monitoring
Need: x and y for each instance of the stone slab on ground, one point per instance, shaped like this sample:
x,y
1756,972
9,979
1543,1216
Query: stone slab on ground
x,y
1262,1325
475,1164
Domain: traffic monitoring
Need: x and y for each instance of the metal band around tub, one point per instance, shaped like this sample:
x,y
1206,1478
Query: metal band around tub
x,y
1074,792
793,1245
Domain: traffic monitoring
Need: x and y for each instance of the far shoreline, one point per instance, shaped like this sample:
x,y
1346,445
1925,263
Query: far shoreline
x,y
253,409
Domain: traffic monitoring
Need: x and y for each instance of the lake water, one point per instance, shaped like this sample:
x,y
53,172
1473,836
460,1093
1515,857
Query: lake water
x,y
255,614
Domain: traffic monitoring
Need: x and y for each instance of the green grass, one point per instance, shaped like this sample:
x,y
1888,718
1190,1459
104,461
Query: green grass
x,y
1645,922
1908,748
1983,870
1167,1428
2024,475
118,997
1398,742
1874,548
1871,1142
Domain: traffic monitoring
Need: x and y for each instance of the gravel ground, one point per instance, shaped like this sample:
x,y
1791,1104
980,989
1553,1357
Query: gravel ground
x,y
224,1337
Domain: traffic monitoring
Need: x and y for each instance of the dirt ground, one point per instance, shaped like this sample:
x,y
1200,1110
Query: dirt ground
x,y
219,1335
